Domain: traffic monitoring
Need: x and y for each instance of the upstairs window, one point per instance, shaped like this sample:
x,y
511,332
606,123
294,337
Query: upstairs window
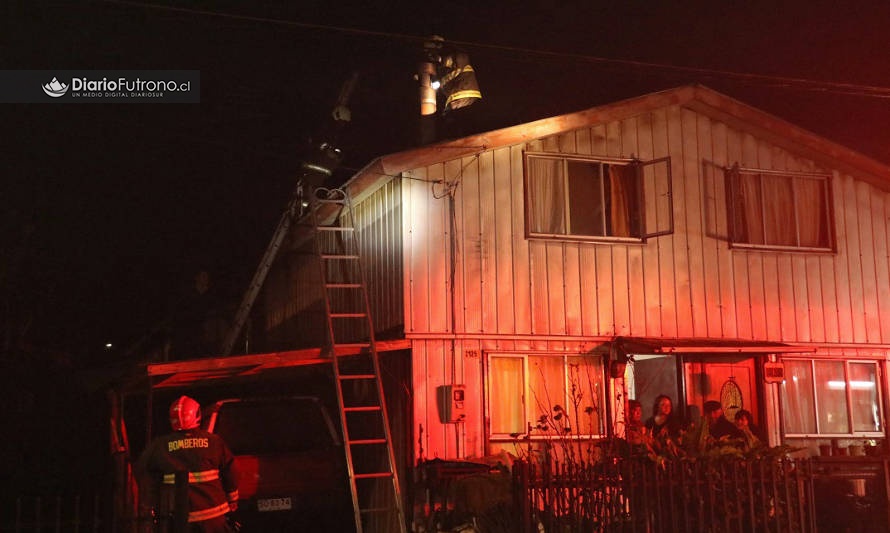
x,y
829,397
573,197
773,209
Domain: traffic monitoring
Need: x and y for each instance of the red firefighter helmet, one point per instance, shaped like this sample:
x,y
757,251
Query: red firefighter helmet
x,y
185,413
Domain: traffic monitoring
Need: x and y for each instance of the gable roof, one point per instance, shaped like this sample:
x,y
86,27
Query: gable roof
x,y
695,97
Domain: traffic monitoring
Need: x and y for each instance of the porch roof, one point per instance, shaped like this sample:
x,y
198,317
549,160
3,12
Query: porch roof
x,y
653,345
188,372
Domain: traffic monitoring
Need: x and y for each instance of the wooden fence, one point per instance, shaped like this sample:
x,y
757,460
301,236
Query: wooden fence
x,y
755,495
76,514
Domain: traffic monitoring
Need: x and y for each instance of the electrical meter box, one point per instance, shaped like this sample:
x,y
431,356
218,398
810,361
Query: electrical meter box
x,y
451,400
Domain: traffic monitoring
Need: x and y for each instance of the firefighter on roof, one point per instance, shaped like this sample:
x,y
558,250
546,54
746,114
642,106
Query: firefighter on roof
x,y
204,465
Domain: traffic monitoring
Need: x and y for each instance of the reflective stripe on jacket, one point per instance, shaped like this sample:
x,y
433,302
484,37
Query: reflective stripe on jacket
x,y
212,480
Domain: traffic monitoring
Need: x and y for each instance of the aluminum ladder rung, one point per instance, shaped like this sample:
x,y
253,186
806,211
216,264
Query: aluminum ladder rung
x,y
365,442
373,475
369,510
363,409
354,279
357,376
334,228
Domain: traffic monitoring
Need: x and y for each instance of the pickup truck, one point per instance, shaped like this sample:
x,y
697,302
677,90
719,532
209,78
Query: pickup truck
x,y
290,461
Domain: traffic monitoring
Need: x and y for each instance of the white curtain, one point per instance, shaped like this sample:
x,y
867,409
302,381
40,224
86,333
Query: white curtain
x,y
798,398
811,213
778,210
748,223
866,406
506,399
831,390
546,196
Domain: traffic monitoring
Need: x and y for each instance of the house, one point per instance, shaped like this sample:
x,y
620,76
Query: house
x,y
679,243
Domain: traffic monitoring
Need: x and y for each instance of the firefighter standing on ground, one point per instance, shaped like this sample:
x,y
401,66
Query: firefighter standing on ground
x,y
207,460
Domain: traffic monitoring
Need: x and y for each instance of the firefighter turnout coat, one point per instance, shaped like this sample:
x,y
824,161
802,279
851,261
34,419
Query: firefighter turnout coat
x,y
212,481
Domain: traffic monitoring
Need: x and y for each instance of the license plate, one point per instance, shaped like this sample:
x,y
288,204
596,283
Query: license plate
x,y
273,504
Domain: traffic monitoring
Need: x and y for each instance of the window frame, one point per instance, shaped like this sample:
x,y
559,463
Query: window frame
x,y
639,198
527,400
733,175
851,423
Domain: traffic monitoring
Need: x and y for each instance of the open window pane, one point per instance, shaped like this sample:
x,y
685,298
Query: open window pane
x,y
507,396
864,399
798,398
579,197
586,199
831,391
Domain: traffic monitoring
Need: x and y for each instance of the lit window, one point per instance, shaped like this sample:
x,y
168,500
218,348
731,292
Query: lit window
x,y
822,397
545,396
779,210
583,198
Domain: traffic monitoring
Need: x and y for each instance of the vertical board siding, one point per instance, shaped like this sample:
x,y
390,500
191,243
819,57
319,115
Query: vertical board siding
x,y
882,266
840,283
512,293
691,283
378,221
508,288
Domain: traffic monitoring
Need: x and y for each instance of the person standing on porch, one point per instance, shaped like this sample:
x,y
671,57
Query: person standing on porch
x,y
663,423
744,421
718,426
636,432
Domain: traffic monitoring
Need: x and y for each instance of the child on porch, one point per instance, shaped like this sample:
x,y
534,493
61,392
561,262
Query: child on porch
x,y
745,422
636,432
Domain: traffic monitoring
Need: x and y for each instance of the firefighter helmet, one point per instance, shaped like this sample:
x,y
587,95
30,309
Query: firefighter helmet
x,y
185,413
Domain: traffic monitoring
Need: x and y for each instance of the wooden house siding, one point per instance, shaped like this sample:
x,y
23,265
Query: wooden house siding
x,y
448,260
294,308
514,293
378,220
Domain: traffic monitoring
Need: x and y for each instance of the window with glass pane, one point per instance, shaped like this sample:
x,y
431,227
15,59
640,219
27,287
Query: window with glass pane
x,y
507,395
798,398
779,210
865,403
831,398
566,390
831,395
580,197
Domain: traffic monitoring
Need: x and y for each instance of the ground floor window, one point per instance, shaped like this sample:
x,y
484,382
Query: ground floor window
x,y
830,397
543,396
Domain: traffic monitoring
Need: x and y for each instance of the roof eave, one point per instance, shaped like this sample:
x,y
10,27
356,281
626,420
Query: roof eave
x,y
695,97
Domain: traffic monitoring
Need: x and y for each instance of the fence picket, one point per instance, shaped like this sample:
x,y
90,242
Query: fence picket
x,y
56,514
755,495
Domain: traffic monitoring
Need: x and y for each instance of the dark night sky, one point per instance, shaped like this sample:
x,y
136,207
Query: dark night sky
x,y
110,210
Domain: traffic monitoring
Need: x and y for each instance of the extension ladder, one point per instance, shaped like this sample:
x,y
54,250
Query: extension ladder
x,y
373,479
